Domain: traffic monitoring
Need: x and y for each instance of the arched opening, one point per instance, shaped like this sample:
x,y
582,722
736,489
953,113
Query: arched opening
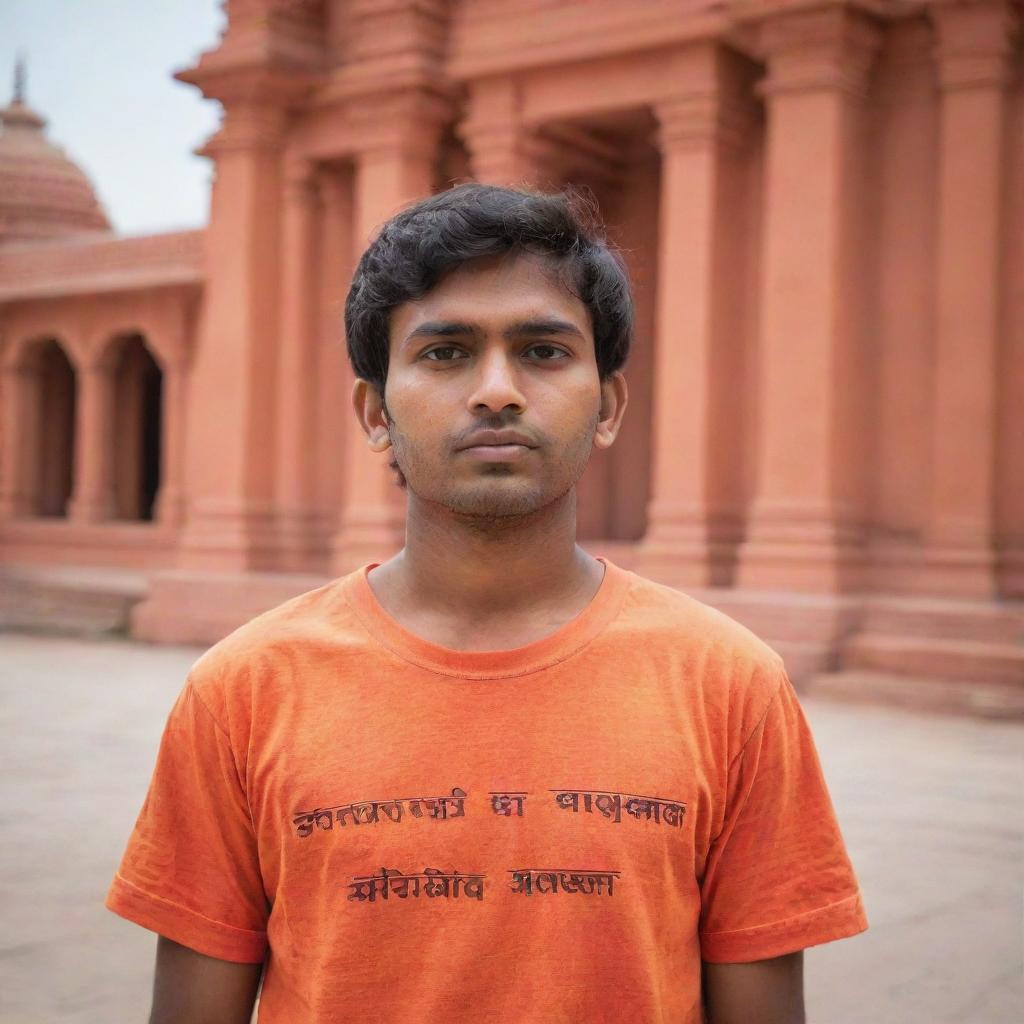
x,y
137,419
49,440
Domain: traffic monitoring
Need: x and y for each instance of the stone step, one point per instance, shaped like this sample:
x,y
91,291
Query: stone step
x,y
994,622
802,660
783,617
956,659
916,693
68,601
805,629
188,607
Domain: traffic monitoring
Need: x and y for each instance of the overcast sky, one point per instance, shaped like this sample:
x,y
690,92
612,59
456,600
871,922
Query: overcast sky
x,y
100,72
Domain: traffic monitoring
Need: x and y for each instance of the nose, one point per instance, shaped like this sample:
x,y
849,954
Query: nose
x,y
495,384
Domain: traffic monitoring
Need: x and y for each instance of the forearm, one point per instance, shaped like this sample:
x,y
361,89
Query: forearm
x,y
765,991
189,988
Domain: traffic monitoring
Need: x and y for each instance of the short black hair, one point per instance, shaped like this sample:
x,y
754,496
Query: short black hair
x,y
431,238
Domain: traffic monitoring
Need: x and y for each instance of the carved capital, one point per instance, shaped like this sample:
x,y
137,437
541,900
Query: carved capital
x,y
975,42
700,120
252,76
829,49
516,154
494,105
710,99
248,126
507,153
280,42
408,120
379,45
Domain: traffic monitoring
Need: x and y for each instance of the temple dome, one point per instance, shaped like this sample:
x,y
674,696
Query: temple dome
x,y
43,194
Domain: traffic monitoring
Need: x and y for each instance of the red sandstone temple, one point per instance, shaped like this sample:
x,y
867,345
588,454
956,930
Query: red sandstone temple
x,y
822,203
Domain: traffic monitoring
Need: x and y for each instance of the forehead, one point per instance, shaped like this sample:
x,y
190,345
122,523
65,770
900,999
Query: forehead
x,y
492,291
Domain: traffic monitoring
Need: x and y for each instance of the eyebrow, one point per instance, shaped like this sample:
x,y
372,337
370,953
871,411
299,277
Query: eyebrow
x,y
534,327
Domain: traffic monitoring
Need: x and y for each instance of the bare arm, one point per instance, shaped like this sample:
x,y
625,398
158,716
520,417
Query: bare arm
x,y
766,991
189,988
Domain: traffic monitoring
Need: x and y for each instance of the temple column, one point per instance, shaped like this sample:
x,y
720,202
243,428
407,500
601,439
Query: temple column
x,y
334,371
804,531
15,440
168,508
973,62
297,372
231,439
394,166
92,493
504,151
691,531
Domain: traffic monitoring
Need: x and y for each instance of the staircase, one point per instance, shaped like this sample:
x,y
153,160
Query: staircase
x,y
87,602
936,654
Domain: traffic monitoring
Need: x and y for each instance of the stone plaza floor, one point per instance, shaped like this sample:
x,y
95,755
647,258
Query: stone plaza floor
x,y
931,808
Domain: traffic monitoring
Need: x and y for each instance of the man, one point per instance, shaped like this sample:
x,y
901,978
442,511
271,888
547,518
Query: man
x,y
494,778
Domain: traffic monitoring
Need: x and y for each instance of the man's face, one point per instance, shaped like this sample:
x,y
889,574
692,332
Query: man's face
x,y
500,344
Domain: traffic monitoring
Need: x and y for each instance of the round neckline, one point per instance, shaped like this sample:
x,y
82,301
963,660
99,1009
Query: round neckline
x,y
569,638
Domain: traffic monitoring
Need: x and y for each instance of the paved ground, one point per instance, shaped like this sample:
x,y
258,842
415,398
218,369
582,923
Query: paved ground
x,y
931,808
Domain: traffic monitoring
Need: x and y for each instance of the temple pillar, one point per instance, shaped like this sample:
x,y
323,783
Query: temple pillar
x,y
92,495
168,508
692,530
18,436
393,167
805,530
231,440
334,374
503,150
295,482
973,53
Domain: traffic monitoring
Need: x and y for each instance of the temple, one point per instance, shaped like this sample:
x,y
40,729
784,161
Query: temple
x,y
822,206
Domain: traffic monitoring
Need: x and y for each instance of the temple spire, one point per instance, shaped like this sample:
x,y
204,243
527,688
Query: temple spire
x,y
17,115
20,77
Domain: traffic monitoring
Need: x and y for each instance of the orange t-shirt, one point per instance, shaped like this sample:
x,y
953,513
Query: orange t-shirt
x,y
560,832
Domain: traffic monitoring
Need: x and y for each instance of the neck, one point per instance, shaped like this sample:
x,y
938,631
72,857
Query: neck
x,y
477,568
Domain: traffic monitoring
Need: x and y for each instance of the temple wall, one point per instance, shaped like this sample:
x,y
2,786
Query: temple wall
x,y
791,187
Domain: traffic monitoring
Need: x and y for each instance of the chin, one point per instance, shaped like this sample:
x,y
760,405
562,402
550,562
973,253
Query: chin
x,y
496,499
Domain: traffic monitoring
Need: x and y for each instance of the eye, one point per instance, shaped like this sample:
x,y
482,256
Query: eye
x,y
548,348
440,348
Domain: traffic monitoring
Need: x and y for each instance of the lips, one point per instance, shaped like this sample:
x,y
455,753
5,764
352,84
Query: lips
x,y
496,438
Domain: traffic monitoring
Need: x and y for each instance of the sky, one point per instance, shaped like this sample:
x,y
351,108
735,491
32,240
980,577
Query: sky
x,y
100,72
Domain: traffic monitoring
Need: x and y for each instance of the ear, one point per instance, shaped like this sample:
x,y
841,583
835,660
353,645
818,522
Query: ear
x,y
614,397
369,409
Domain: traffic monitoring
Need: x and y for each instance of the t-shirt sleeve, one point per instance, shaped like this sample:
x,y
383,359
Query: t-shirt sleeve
x,y
778,877
191,869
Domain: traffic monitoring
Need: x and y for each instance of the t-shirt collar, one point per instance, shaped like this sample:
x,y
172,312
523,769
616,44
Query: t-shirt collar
x,y
566,641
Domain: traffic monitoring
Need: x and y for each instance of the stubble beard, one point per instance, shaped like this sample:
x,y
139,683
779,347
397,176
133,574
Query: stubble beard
x,y
487,503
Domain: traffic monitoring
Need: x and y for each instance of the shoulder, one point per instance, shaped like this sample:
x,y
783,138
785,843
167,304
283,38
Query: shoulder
x,y
683,621
267,652
717,660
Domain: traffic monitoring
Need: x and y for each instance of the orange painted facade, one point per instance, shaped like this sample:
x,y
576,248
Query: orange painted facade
x,y
822,206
